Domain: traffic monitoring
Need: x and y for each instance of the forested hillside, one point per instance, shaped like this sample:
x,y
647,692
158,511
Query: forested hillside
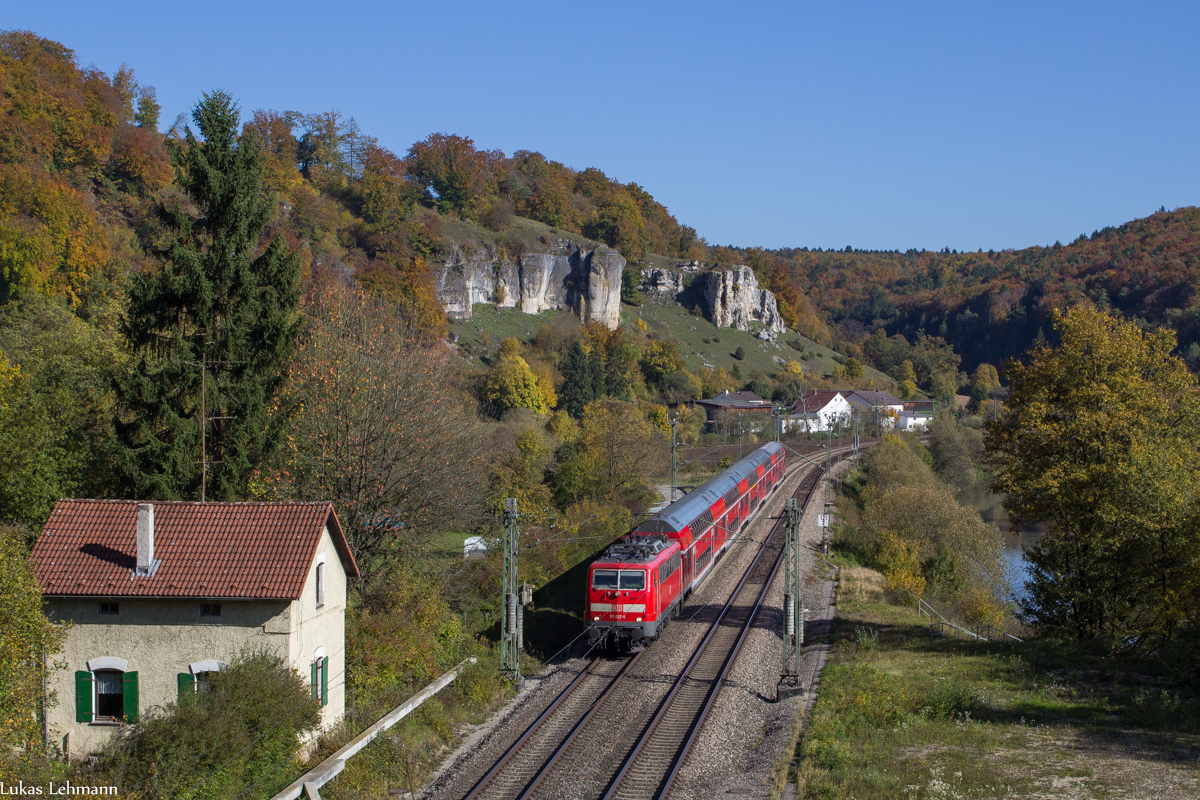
x,y
994,305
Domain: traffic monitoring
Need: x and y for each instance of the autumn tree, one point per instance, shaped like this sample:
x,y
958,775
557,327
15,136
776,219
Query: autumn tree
x,y
625,448
221,313
455,174
510,383
382,430
1100,441
28,644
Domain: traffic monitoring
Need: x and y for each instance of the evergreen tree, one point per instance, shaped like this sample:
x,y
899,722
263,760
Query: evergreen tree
x,y
214,307
616,373
599,373
578,387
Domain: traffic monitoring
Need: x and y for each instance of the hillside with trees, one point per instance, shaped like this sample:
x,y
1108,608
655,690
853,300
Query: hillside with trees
x,y
990,306
243,307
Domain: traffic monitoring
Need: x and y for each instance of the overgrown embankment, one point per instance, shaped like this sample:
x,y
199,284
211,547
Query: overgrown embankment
x,y
902,715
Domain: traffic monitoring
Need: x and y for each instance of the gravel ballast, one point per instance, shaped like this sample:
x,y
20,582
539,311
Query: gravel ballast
x,y
738,745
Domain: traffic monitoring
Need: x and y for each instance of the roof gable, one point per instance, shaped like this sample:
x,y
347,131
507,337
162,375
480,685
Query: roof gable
x,y
737,400
873,398
234,550
812,401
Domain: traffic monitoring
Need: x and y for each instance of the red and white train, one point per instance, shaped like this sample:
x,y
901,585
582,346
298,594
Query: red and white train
x,y
641,581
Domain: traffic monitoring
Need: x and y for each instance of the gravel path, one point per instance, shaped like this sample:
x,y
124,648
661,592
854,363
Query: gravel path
x,y
747,732
585,768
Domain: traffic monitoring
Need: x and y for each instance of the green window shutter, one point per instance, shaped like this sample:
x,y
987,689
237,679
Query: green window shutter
x,y
83,696
129,684
312,680
325,681
187,683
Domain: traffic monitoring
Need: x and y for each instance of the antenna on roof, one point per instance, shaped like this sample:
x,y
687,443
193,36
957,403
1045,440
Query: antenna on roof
x,y
204,419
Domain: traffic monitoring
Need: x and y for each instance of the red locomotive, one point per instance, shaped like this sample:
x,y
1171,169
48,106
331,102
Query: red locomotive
x,y
641,581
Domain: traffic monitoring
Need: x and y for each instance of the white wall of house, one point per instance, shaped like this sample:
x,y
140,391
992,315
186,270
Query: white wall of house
x,y
914,422
817,419
323,627
160,638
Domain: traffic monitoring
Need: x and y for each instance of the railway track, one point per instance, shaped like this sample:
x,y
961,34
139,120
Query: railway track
x,y
650,766
534,754
655,759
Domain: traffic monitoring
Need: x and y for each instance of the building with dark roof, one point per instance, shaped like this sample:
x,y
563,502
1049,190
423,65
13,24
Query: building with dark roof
x,y
733,403
162,594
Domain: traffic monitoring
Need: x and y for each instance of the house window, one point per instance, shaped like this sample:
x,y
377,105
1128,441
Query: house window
x,y
210,609
110,694
320,584
319,677
108,608
198,678
106,692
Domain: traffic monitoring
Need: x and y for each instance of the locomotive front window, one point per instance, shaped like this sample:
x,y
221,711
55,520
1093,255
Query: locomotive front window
x,y
633,580
604,579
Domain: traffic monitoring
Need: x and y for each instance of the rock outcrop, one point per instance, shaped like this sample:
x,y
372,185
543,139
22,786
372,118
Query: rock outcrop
x,y
668,282
732,299
588,282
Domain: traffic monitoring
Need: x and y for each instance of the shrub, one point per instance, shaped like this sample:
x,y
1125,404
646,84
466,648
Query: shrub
x,y
237,737
902,568
948,698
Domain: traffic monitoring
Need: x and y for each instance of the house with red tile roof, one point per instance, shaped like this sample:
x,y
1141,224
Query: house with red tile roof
x,y
162,594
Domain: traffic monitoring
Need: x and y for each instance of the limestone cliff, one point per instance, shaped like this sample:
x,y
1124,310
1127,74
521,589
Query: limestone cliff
x,y
668,282
732,299
588,282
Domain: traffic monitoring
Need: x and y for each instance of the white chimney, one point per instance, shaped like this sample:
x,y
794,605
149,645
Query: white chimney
x,y
145,539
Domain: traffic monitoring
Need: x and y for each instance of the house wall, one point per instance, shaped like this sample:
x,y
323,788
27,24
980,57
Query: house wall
x,y
909,422
159,639
819,419
323,627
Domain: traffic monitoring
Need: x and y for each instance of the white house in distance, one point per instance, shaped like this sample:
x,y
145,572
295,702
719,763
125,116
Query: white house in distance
x,y
914,420
816,411
162,594
875,401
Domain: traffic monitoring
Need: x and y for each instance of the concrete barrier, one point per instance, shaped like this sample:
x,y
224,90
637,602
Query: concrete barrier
x,y
327,770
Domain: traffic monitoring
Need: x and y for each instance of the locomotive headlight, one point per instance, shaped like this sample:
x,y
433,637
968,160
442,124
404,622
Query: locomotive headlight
x,y
596,618
637,619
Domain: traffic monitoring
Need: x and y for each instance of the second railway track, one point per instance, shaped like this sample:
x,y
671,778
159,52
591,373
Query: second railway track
x,y
655,758
649,767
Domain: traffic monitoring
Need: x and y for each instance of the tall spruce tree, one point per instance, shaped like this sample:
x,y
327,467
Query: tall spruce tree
x,y
578,387
216,315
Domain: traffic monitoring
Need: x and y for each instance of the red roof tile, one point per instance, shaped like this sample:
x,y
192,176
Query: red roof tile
x,y
259,550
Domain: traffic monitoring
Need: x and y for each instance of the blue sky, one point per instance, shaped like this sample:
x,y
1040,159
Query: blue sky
x,y
877,125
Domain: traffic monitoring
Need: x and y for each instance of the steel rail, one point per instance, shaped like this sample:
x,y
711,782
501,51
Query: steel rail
x,y
654,783
483,784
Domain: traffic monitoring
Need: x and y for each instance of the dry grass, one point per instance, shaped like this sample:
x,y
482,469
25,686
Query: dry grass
x,y
860,585
900,715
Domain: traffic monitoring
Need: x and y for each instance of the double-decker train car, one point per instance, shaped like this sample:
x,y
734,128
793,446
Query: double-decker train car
x,y
673,551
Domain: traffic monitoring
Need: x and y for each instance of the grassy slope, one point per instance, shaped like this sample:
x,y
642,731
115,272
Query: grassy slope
x,y
667,318
672,321
901,715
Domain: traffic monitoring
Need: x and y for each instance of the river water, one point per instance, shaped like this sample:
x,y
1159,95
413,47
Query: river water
x,y
1015,539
